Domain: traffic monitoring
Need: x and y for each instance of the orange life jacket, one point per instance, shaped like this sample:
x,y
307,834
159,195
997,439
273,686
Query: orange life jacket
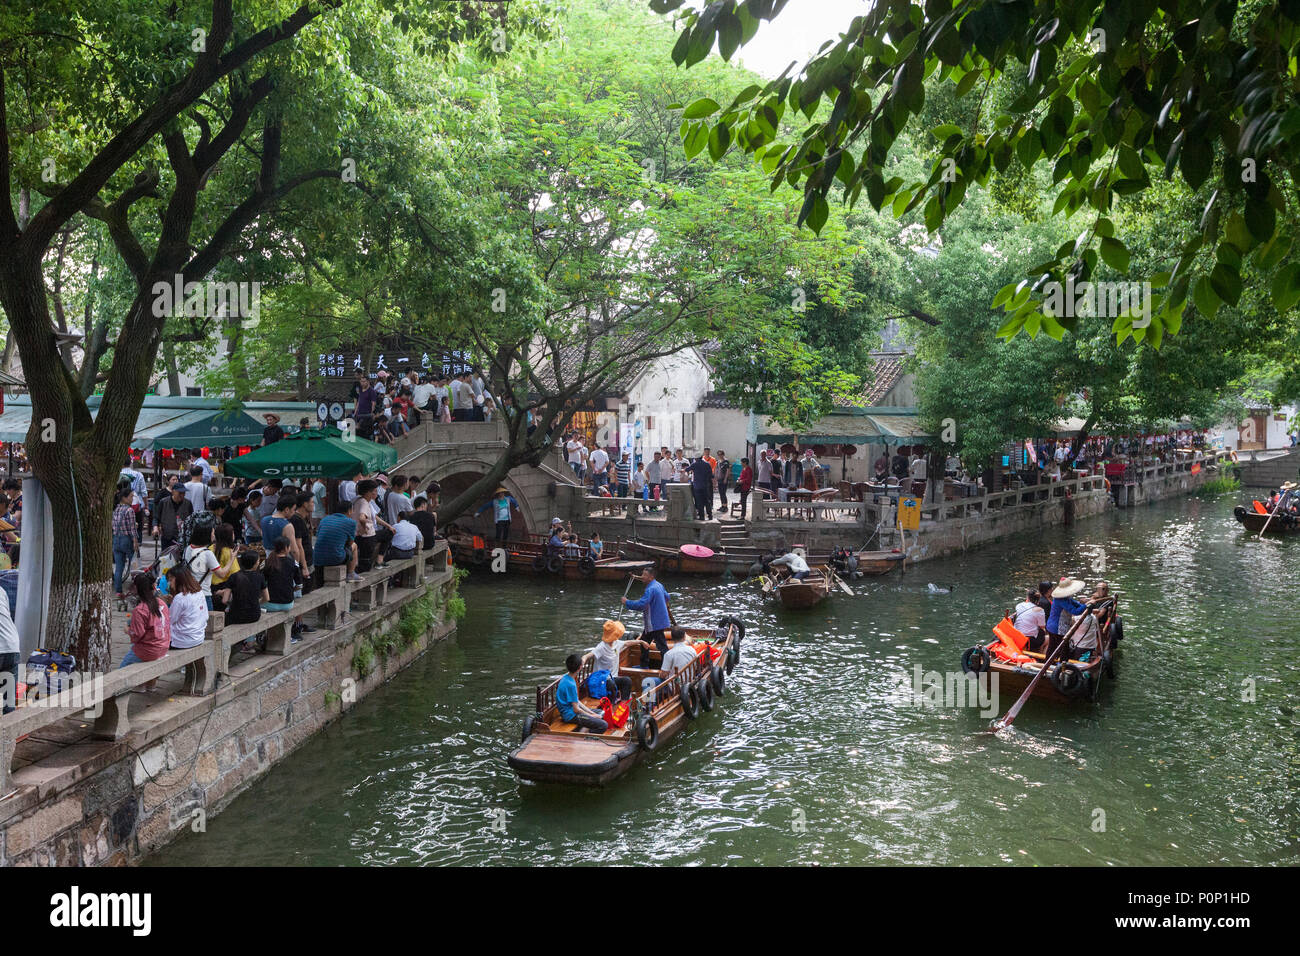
x,y
1011,643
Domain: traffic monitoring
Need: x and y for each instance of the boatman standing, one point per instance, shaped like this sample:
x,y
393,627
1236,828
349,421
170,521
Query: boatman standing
x,y
653,604
500,504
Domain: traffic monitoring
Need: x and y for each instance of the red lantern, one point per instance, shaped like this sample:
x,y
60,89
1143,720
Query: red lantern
x,y
204,450
244,449
166,452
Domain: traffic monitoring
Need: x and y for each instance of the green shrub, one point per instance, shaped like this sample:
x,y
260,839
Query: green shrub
x,y
363,659
417,618
1219,485
456,607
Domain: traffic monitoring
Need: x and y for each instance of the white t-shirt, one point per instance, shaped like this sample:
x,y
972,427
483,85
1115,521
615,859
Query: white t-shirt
x,y
1029,618
347,490
201,563
1061,452
917,469
606,656
599,460
421,394
189,619
678,656
318,494
574,448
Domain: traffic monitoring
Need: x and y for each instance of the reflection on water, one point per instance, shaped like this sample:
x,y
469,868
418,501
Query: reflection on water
x,y
815,755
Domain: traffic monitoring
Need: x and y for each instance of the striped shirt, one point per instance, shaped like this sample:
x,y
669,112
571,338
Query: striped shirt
x,y
624,471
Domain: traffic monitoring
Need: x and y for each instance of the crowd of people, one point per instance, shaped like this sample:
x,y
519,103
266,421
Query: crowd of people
x,y
254,549
710,476
386,406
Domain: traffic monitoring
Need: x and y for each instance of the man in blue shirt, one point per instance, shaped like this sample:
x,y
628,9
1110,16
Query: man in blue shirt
x,y
653,604
566,698
335,544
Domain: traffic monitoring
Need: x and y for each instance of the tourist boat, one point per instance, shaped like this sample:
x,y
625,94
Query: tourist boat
x,y
795,594
532,557
555,751
687,559
1256,518
849,564
1065,681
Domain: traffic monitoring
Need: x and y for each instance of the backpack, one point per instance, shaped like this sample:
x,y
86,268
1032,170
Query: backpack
x,y
47,671
197,519
597,684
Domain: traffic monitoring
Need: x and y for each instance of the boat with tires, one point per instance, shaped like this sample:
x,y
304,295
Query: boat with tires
x,y
1007,656
686,559
533,557
795,594
1281,518
553,750
855,564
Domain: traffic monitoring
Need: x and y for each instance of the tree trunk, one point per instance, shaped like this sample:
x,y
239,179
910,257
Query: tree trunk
x,y
78,476
169,358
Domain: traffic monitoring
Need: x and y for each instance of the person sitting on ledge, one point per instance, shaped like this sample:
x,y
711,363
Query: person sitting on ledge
x,y
566,698
150,627
336,544
406,538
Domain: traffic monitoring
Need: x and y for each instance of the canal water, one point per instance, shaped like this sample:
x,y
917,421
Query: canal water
x,y
819,754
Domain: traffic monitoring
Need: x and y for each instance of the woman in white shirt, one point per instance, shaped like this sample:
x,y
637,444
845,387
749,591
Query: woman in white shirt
x,y
189,610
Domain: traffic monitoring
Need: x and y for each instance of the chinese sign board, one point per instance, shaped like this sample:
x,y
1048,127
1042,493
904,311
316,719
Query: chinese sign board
x,y
340,365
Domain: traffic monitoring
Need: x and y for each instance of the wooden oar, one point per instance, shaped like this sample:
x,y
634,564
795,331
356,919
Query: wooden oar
x,y
621,606
843,587
1015,708
1280,500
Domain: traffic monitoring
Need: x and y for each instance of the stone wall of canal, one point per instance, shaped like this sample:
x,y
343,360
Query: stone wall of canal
x,y
92,802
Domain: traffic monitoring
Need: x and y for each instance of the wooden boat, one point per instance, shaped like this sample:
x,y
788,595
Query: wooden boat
x,y
555,751
1065,681
674,560
847,563
795,594
532,557
1284,522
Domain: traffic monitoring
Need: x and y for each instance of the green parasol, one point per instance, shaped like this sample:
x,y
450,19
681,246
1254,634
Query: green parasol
x,y
313,453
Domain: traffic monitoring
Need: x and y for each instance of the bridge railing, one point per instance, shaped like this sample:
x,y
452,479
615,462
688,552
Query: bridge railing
x,y
105,698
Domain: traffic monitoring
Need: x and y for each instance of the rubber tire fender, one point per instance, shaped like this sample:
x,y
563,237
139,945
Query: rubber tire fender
x,y
740,626
718,678
539,564
1117,630
1069,680
587,565
690,699
704,690
973,655
647,732
555,564
530,724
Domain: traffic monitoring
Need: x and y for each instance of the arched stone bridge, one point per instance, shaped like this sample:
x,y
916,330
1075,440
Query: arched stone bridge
x,y
460,453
